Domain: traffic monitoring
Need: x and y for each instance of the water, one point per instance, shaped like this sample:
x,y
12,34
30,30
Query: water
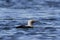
x,y
14,13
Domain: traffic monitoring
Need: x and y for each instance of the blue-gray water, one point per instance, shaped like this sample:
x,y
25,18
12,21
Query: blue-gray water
x,y
18,12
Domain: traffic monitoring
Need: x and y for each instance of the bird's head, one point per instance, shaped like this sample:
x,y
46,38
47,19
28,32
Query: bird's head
x,y
32,21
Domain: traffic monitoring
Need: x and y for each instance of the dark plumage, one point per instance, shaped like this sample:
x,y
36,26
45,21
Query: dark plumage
x,y
23,26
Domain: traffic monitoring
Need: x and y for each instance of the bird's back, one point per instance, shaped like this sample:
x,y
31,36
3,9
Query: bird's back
x,y
23,26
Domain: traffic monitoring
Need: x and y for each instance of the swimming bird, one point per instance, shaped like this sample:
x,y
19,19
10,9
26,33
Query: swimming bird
x,y
29,25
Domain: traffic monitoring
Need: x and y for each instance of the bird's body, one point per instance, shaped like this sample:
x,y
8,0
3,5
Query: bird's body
x,y
29,25
23,26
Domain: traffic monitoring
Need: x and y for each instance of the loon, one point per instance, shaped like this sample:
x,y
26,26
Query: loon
x,y
29,25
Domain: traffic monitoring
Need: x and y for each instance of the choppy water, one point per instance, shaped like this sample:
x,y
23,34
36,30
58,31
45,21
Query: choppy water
x,y
47,12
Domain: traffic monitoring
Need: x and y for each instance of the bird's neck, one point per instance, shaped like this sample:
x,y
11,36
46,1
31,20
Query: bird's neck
x,y
29,24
